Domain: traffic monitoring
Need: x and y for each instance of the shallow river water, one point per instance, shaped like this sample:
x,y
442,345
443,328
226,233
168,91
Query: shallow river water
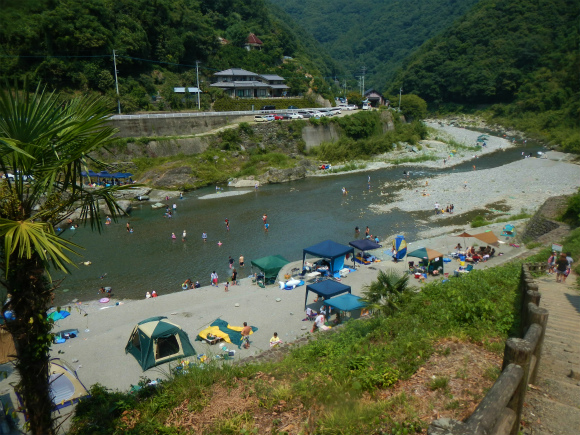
x,y
300,214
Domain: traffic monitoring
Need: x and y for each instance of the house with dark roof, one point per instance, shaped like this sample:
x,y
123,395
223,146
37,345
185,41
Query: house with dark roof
x,y
253,43
237,82
374,98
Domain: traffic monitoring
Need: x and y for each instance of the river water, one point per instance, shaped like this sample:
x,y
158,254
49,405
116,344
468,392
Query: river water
x,y
300,213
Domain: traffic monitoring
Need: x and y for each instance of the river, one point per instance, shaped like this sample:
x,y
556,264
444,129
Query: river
x,y
300,214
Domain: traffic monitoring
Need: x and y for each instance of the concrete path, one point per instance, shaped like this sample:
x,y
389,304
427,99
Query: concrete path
x,y
553,404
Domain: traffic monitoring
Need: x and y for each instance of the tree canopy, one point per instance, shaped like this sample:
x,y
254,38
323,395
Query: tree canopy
x,y
520,55
69,45
377,35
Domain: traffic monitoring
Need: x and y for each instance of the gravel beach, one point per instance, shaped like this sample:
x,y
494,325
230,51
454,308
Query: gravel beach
x,y
524,184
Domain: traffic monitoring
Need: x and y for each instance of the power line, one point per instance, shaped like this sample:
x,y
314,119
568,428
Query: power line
x,y
345,77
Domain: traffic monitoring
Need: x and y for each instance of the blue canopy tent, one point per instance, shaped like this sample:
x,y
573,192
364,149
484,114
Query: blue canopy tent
x,y
346,302
333,251
327,289
363,245
121,175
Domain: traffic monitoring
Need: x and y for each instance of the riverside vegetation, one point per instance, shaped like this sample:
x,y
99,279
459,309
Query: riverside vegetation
x,y
251,150
335,384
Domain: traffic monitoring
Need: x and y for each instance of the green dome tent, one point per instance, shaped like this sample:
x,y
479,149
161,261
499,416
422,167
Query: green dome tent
x,y
156,341
270,265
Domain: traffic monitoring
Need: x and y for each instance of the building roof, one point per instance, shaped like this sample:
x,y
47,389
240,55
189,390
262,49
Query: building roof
x,y
279,86
272,77
242,84
235,72
182,90
253,39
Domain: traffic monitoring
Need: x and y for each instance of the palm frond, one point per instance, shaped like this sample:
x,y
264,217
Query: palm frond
x,y
25,238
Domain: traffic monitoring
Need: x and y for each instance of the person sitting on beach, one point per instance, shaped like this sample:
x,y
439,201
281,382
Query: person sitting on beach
x,y
275,340
147,295
153,294
310,314
320,321
197,284
458,247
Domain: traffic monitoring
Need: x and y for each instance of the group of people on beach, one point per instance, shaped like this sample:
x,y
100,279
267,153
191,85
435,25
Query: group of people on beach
x,y
448,209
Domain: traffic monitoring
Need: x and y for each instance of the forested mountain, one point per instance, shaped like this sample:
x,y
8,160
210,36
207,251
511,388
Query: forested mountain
x,y
521,55
376,34
68,44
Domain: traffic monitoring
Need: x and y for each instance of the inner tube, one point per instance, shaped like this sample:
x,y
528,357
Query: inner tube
x,y
104,300
184,286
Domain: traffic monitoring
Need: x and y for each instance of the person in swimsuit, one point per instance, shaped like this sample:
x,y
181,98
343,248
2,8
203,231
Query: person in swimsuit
x,y
241,261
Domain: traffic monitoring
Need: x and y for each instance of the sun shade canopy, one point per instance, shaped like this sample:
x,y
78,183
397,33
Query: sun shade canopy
x,y
430,254
326,289
364,244
347,302
487,237
221,328
328,249
270,265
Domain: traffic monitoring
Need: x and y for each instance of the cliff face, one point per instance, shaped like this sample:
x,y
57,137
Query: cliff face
x,y
227,149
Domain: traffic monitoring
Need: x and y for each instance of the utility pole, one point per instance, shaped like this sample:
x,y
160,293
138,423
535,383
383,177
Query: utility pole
x,y
117,82
400,92
359,84
344,88
364,68
197,76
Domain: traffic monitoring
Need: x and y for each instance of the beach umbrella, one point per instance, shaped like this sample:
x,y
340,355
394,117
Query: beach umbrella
x,y
58,315
464,235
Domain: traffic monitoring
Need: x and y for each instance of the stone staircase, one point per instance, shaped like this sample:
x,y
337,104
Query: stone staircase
x,y
553,404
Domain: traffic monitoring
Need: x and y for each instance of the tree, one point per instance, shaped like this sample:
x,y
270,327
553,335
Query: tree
x,y
44,145
387,292
413,107
354,98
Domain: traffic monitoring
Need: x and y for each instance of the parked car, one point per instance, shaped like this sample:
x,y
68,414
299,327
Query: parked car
x,y
292,108
268,108
268,117
305,114
260,118
277,117
350,107
296,116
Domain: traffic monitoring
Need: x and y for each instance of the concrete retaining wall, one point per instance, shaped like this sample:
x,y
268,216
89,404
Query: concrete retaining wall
x,y
315,135
157,127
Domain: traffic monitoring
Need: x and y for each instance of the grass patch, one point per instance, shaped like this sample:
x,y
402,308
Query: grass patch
x,y
418,159
459,146
439,383
480,221
348,167
334,378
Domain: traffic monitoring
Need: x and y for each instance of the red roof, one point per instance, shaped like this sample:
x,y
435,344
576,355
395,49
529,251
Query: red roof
x,y
253,39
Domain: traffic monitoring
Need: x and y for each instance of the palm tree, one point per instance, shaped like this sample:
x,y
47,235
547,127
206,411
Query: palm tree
x,y
386,293
44,145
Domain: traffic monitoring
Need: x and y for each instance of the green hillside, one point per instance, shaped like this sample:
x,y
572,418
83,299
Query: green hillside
x,y
378,34
518,56
68,45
